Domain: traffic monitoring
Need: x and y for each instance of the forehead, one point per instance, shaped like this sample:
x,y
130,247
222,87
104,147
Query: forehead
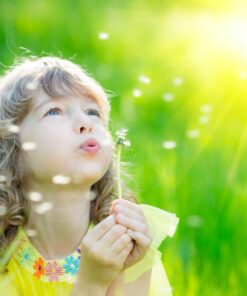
x,y
41,98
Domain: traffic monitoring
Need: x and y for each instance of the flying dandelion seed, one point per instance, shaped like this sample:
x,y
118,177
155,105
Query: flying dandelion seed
x,y
35,196
43,208
144,79
14,128
3,210
60,179
103,36
32,85
178,81
243,75
206,108
193,134
169,144
194,221
29,146
137,93
31,232
204,119
168,97
3,179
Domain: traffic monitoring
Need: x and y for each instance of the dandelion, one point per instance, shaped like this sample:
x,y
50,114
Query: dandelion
x,y
121,142
35,196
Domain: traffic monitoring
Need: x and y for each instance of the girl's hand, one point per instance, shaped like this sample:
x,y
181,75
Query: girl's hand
x,y
104,252
131,216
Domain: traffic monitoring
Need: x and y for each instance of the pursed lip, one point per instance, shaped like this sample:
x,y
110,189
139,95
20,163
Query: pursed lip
x,y
91,142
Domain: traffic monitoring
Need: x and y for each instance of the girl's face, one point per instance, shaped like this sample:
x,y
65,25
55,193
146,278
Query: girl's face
x,y
57,128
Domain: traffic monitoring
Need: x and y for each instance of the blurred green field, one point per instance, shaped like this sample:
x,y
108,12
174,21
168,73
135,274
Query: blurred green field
x,y
178,71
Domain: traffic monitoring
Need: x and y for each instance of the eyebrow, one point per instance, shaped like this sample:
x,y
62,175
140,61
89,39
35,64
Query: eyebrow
x,y
93,104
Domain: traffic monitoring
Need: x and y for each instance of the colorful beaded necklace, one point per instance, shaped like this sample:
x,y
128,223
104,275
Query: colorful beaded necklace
x,y
59,270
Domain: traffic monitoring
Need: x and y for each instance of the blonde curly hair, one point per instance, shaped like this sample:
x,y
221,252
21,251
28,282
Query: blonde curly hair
x,y
57,77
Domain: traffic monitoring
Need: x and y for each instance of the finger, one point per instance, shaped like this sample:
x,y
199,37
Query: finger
x,y
119,244
131,223
130,213
133,206
102,228
140,239
122,256
113,235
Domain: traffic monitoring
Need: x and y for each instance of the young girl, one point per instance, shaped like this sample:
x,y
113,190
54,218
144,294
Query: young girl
x,y
62,229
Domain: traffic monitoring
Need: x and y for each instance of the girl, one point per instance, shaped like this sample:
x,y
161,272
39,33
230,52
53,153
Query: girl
x,y
62,229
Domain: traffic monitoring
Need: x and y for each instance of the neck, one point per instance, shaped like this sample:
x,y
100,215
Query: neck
x,y
58,231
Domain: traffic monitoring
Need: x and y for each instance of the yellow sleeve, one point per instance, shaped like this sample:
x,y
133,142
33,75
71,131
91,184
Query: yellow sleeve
x,y
162,224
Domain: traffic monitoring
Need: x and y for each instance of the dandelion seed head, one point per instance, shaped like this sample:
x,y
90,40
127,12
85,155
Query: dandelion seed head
x,y
137,93
144,79
169,144
103,36
43,208
29,146
35,196
60,179
193,133
168,97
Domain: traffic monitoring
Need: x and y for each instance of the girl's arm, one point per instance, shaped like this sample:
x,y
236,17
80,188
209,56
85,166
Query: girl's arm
x,y
139,287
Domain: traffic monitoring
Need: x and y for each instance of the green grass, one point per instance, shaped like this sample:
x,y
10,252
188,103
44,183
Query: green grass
x,y
202,180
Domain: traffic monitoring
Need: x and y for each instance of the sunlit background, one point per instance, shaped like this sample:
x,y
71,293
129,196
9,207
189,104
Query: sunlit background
x,y
178,70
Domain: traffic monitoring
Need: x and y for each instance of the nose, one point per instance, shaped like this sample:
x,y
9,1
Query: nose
x,y
82,124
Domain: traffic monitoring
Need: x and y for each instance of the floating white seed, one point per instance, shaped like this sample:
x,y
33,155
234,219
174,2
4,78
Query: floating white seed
x,y
60,179
3,210
32,85
137,93
144,79
169,144
204,119
31,232
43,208
29,146
14,128
3,178
35,196
168,97
206,108
103,35
193,134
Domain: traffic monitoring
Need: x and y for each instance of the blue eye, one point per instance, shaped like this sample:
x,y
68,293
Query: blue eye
x,y
53,111
94,112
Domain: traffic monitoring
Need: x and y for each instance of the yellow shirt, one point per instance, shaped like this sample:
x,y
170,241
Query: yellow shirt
x,y
30,274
